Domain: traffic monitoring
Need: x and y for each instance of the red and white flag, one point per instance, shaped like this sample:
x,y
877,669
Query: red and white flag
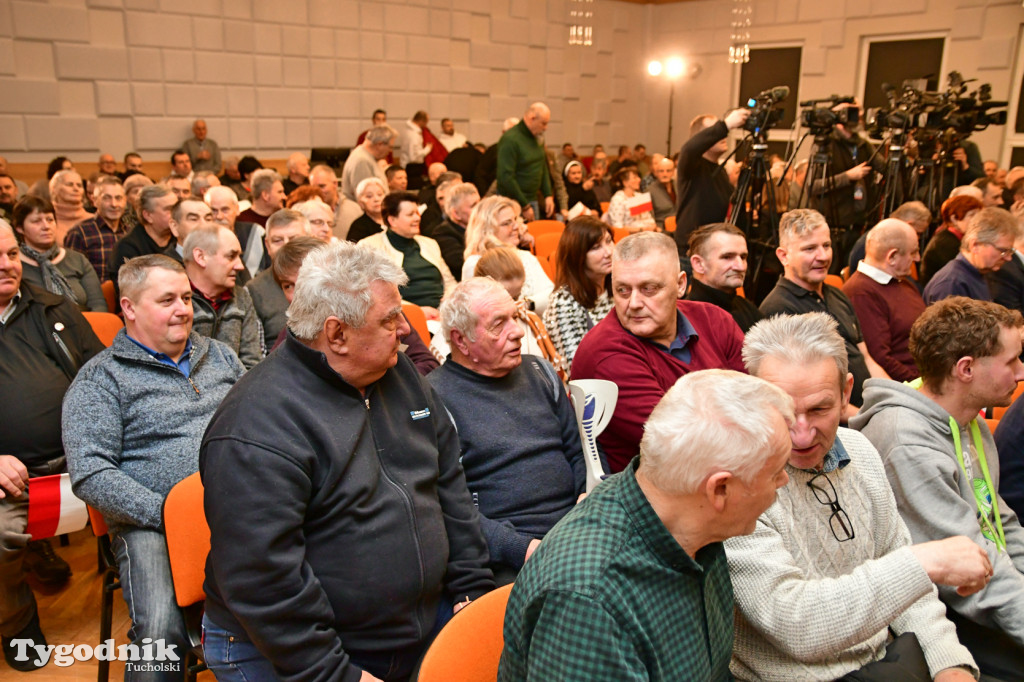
x,y
53,509
639,203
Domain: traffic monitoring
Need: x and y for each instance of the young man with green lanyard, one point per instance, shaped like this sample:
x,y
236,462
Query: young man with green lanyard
x,y
942,463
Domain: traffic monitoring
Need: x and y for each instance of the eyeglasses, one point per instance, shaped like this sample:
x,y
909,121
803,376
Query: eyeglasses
x,y
320,222
1005,253
828,497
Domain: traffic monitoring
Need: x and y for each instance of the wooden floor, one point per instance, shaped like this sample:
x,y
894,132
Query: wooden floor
x,y
71,615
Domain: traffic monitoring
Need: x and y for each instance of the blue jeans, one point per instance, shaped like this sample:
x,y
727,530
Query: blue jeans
x,y
232,658
148,590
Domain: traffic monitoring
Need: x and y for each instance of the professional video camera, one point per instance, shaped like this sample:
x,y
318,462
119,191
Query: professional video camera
x,y
765,114
933,114
819,116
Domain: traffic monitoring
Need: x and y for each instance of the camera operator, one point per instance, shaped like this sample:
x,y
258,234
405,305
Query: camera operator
x,y
966,159
849,193
703,186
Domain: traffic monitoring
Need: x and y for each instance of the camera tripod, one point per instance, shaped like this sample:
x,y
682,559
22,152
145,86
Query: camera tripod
x,y
900,180
754,211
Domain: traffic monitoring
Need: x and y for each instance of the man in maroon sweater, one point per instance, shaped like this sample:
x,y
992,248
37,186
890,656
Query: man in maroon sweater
x,y
886,302
652,339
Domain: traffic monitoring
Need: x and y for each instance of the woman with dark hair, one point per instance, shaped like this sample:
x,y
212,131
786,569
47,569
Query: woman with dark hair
x,y
419,256
945,243
58,164
619,214
47,264
580,191
582,296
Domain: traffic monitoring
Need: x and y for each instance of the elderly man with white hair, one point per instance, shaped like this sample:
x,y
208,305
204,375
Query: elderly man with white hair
x,y
374,479
320,218
297,166
521,447
829,572
633,583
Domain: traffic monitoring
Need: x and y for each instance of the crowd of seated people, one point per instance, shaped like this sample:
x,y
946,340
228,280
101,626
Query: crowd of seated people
x,y
271,343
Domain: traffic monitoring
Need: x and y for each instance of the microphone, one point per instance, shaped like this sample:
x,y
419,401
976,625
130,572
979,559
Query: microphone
x,y
776,94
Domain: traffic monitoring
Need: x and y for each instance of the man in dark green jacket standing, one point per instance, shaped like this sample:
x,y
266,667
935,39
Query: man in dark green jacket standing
x,y
522,167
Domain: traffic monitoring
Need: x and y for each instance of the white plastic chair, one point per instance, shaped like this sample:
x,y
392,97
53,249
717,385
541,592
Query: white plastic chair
x,y
594,401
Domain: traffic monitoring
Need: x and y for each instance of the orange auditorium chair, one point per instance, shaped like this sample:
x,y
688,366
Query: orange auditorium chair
x,y
469,647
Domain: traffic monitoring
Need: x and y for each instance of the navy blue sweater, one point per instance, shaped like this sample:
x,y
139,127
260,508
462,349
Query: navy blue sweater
x,y
521,450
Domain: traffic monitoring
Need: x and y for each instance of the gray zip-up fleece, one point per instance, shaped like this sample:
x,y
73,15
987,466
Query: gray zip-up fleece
x,y
912,434
235,324
132,426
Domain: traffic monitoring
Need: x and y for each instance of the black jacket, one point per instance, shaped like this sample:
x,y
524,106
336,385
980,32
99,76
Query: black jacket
x,y
702,186
337,520
835,196
452,240
53,318
42,346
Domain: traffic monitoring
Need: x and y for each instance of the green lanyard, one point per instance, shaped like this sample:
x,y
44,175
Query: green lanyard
x,y
996,534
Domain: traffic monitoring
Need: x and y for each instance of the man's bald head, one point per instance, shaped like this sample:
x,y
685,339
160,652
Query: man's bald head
x,y
892,246
436,170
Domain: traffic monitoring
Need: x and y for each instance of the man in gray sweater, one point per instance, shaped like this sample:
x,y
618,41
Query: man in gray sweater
x,y
132,425
521,447
830,571
943,466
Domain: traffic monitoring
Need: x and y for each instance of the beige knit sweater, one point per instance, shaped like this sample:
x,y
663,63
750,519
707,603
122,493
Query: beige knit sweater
x,y
811,608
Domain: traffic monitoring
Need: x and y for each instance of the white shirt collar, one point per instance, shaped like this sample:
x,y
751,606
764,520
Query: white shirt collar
x,y
880,276
8,310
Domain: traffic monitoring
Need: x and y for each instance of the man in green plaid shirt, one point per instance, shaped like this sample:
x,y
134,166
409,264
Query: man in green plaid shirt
x,y
633,583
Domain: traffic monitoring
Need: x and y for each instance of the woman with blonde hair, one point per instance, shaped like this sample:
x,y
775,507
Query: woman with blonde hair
x,y
495,222
68,196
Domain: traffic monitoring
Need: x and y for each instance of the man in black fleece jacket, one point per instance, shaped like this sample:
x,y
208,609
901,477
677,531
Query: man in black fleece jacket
x,y
521,447
342,532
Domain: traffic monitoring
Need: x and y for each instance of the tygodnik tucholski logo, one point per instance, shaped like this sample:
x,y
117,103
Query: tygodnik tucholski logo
x,y
152,656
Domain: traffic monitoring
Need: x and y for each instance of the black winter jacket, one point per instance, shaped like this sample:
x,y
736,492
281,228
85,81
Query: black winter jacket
x,y
337,520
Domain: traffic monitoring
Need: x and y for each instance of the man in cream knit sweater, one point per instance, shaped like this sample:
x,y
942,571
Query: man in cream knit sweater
x,y
830,570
